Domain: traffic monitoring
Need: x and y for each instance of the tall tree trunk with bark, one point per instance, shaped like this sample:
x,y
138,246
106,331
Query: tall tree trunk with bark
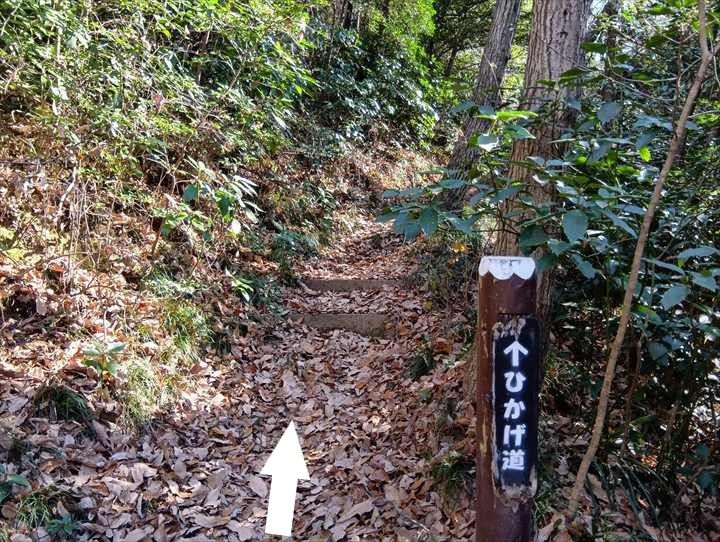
x,y
487,87
557,32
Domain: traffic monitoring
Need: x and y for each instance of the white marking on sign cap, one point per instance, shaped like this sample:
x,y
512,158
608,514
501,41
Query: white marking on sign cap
x,y
504,267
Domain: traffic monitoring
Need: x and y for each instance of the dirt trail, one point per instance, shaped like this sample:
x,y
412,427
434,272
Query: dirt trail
x,y
368,436
359,419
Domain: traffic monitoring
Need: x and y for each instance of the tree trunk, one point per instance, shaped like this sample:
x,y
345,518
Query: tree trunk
x,y
558,29
487,88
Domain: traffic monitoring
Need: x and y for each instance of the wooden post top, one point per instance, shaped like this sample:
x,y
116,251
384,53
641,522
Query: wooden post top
x,y
504,267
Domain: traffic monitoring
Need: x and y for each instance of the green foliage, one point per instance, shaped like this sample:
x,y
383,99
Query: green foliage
x,y
58,402
188,326
422,363
142,393
8,481
62,528
421,209
103,358
164,284
254,289
367,89
36,508
219,73
287,246
452,474
601,181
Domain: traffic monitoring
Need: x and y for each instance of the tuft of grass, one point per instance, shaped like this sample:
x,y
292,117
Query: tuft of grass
x,y
422,363
188,326
37,507
142,393
452,474
4,536
58,402
161,283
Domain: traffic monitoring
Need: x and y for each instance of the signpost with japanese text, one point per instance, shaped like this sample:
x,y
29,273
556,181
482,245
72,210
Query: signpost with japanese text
x,y
507,363
515,356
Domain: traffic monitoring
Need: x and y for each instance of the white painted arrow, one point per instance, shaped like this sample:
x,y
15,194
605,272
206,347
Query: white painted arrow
x,y
286,465
516,349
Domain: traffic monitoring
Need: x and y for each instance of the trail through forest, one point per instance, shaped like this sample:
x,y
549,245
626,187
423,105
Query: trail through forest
x,y
367,437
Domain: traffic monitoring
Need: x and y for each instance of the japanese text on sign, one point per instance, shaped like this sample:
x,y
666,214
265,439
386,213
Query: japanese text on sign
x,y
515,404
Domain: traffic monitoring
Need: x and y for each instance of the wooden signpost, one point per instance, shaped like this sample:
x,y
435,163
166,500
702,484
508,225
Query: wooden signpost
x,y
507,361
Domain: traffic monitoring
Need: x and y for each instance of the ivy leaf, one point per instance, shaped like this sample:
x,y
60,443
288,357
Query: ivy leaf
x,y
674,296
516,131
592,47
608,111
462,107
575,224
557,246
506,193
509,114
665,265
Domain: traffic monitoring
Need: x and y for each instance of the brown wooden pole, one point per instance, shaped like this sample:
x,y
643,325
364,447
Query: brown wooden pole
x,y
507,364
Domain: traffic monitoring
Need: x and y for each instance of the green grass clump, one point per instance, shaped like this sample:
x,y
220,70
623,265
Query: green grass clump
x,y
37,507
142,393
161,283
188,326
451,474
4,536
58,402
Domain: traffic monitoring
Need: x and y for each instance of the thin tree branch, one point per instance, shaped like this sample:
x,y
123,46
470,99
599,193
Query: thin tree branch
x,y
675,145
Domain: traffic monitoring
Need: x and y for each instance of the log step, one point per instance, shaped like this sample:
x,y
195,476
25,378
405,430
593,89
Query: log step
x,y
369,324
350,285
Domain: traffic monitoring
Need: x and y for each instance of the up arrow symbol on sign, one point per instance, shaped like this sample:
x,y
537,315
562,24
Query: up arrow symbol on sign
x,y
516,349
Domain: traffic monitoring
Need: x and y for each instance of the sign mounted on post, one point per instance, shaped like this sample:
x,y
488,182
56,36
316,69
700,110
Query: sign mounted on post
x,y
507,358
515,397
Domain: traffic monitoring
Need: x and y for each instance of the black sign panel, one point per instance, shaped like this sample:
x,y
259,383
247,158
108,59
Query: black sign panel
x,y
515,362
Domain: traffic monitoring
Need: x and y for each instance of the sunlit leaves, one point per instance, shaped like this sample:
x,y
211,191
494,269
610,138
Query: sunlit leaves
x,y
485,141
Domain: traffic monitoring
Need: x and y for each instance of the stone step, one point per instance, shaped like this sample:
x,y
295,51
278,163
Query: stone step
x,y
350,285
369,324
